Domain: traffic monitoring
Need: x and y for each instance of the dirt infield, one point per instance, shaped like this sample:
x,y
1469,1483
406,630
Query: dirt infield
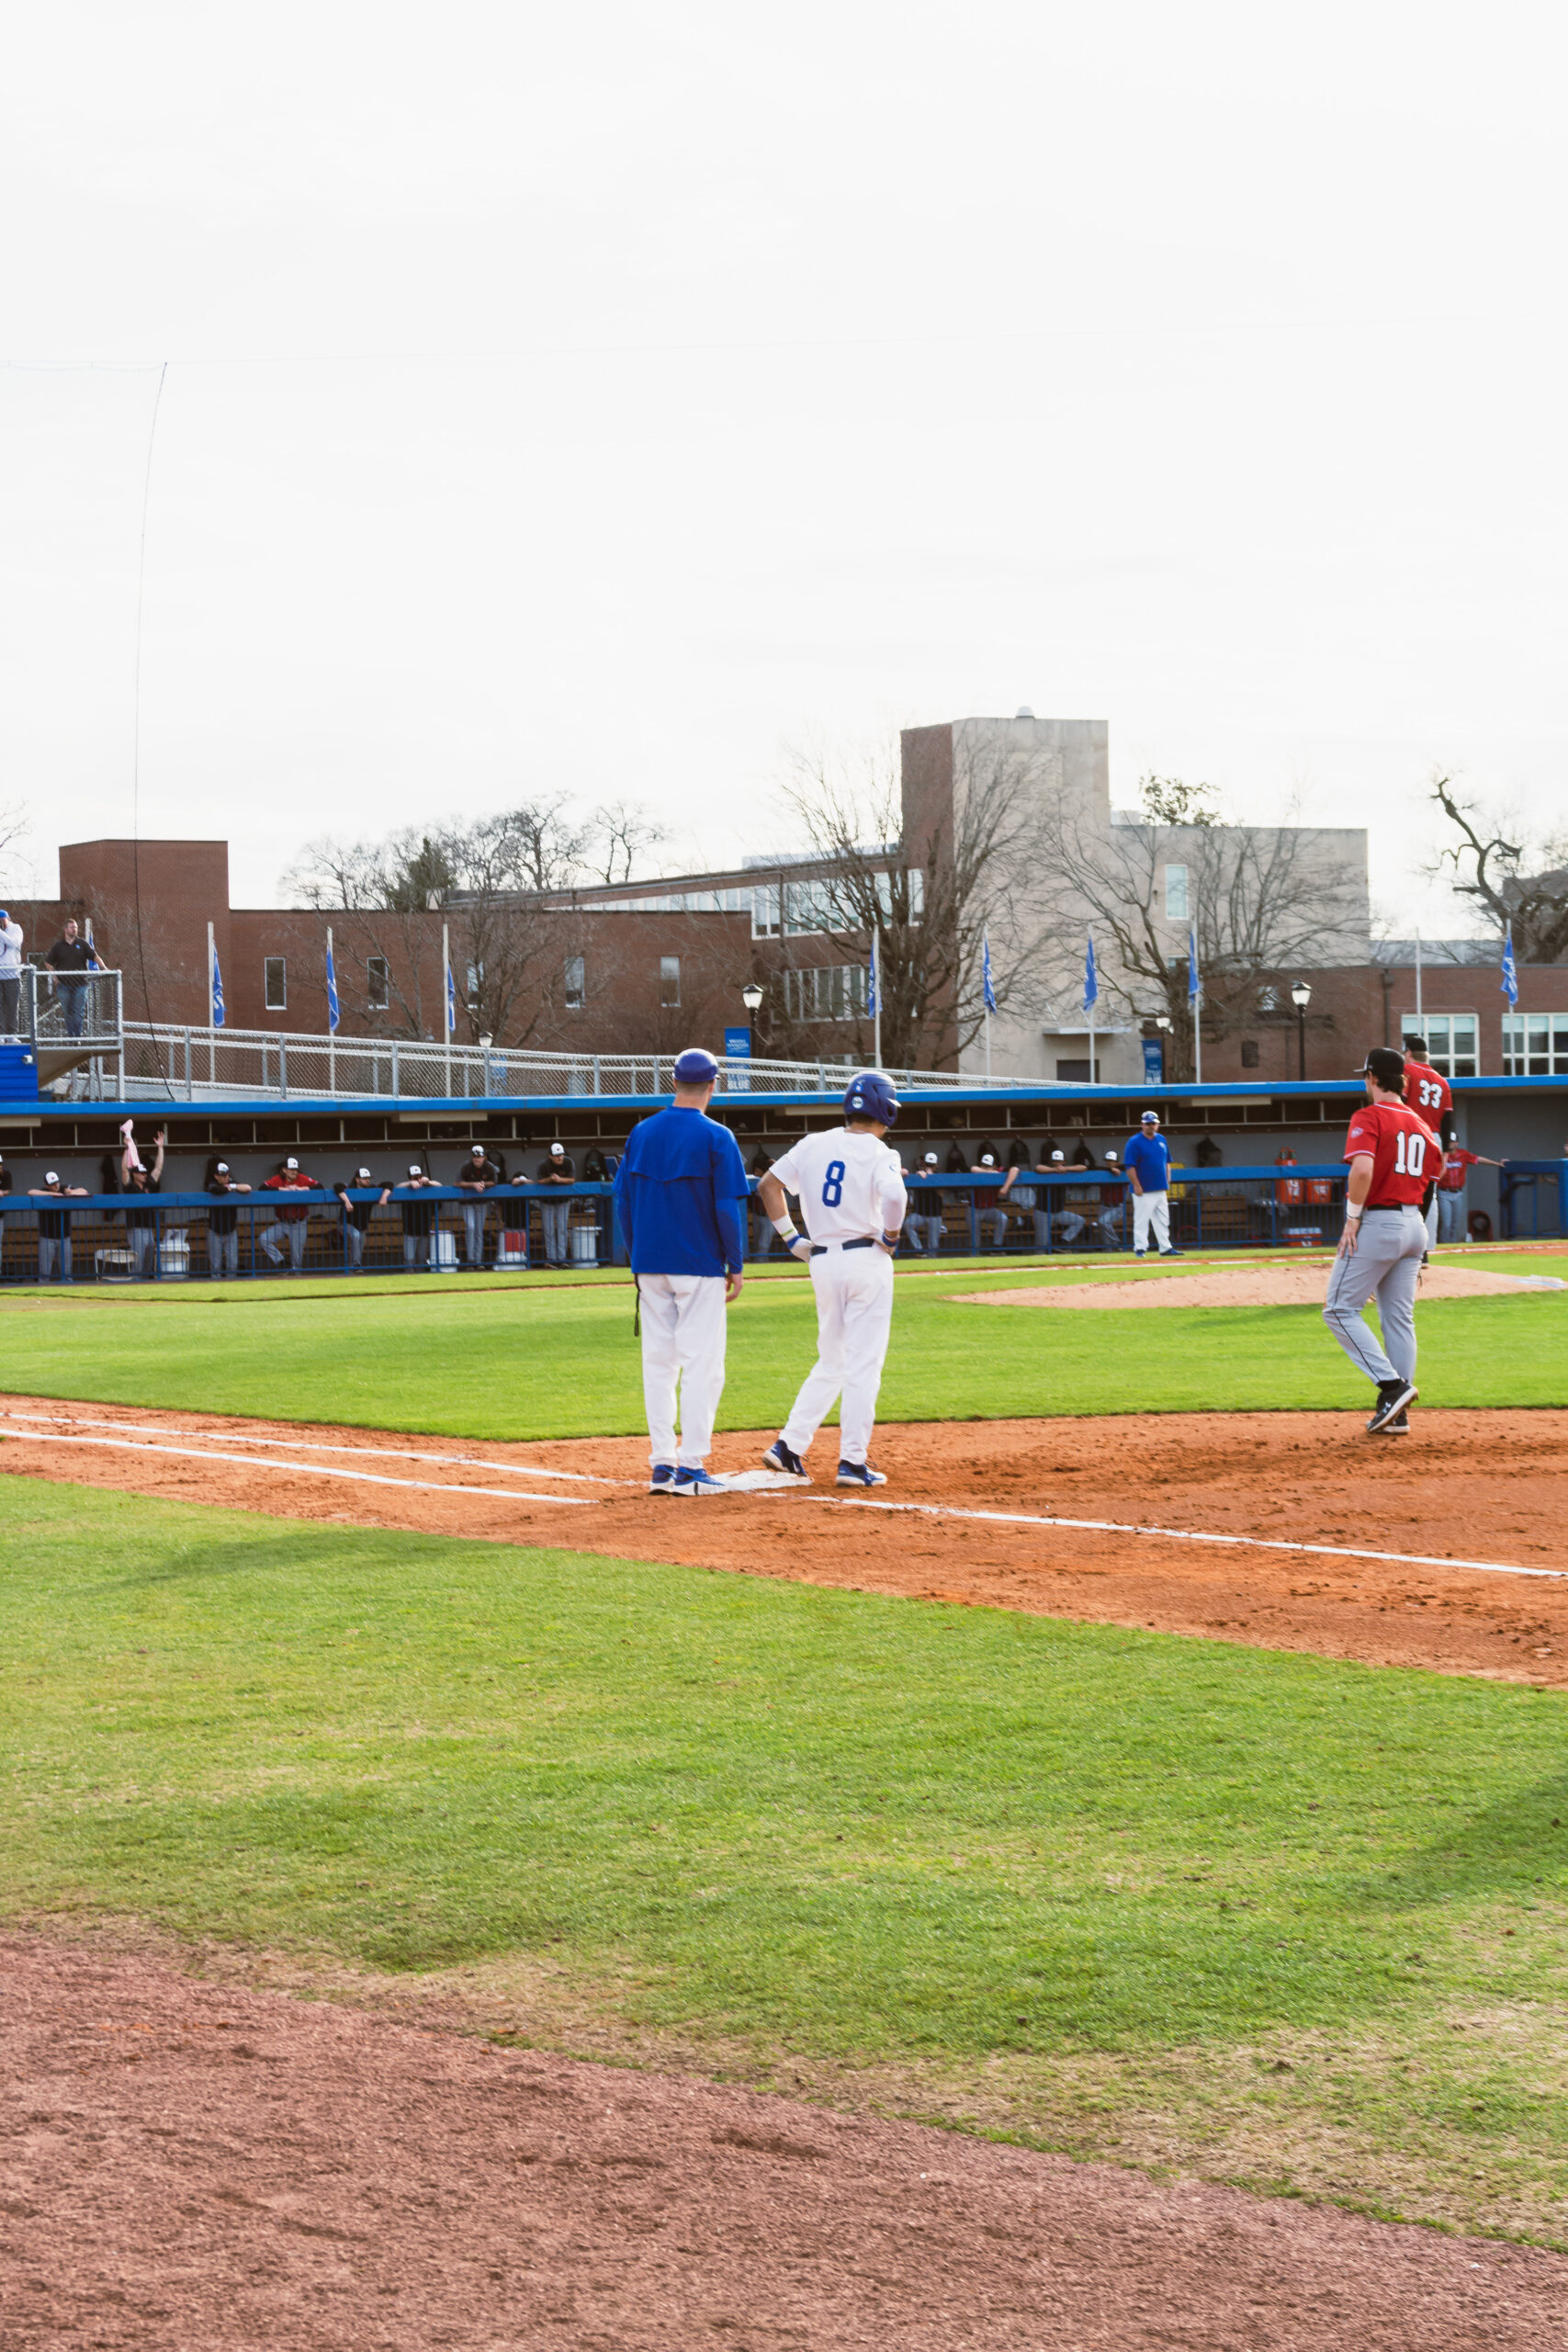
x,y
1466,1488
1254,1285
202,2168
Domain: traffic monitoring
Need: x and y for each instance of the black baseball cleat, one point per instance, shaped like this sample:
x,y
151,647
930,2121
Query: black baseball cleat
x,y
1398,1427
1392,1398
1173,1253
779,1457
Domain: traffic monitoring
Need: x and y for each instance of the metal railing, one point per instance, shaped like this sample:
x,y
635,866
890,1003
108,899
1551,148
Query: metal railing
x,y
165,1063
175,1236
78,1011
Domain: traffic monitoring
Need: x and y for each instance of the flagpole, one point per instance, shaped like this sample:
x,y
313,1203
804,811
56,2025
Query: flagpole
x,y
211,1032
876,992
332,1025
1420,1016
446,1004
1198,1036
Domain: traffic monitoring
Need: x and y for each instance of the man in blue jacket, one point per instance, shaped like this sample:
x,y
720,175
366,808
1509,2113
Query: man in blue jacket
x,y
1148,1163
681,1195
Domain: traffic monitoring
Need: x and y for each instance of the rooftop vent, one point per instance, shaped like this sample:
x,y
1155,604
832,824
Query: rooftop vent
x,y
1023,711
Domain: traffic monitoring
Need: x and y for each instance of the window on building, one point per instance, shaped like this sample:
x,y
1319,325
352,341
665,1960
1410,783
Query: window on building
x,y
670,980
1535,1045
475,986
276,971
576,983
378,987
1249,1057
828,992
1176,894
1451,1046
1068,1072
767,911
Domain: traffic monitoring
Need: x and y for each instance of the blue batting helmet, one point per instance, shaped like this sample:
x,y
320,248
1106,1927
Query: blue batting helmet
x,y
870,1096
696,1066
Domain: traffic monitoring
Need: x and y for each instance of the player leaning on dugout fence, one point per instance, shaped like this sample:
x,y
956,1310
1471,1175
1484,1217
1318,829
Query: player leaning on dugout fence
x,y
1395,1159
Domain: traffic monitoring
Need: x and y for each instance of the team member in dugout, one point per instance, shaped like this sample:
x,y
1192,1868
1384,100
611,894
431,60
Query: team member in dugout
x,y
556,1168
514,1221
222,1223
357,1215
294,1220
142,1224
54,1226
422,1222
924,1223
476,1177
989,1215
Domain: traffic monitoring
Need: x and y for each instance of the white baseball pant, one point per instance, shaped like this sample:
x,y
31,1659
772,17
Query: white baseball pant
x,y
683,1335
854,1318
1151,1209
1386,1265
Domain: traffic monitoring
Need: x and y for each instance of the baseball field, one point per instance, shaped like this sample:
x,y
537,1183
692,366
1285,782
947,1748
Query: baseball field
x,y
579,1918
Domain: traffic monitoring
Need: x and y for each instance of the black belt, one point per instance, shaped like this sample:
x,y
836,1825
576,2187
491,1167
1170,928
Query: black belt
x,y
819,1248
1390,1208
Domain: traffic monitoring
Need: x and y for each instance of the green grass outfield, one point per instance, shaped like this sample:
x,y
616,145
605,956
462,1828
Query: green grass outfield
x,y
1269,1916
519,1358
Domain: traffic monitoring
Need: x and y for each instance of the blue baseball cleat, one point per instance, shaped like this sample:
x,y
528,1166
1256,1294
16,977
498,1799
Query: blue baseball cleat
x,y
860,1473
779,1457
696,1482
661,1478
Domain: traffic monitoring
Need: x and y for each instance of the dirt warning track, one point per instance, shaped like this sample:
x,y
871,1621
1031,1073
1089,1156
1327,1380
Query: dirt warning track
x,y
1284,1531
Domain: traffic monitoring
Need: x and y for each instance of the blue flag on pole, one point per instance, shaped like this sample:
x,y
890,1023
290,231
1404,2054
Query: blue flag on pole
x,y
1090,979
1194,983
332,988
987,993
1510,982
451,1003
872,1004
217,1014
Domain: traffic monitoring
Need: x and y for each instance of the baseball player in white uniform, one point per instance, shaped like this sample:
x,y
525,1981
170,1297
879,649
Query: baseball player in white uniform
x,y
851,1189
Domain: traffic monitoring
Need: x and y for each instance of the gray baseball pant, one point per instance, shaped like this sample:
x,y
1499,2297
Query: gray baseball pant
x,y
1431,1219
1386,1265
1451,1216
925,1232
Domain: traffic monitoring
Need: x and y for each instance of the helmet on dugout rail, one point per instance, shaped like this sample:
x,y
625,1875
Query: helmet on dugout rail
x,y
870,1096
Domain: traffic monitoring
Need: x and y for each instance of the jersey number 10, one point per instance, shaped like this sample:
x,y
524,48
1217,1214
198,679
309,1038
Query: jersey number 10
x,y
1409,1153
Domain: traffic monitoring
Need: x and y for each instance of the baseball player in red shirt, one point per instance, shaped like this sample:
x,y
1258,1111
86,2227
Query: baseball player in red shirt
x,y
1430,1096
1393,1156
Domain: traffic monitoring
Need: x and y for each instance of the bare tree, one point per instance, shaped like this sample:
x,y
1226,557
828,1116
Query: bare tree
x,y
1486,867
931,898
622,832
1259,899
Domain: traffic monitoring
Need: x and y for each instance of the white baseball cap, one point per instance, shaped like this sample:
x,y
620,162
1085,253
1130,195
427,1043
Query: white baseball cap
x,y
1111,1160
1059,1155
291,1163
1151,1118
221,1168
477,1150
987,1160
363,1176
558,1151
930,1159
51,1178
413,1167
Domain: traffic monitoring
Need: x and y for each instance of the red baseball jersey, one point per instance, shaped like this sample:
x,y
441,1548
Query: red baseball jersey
x,y
1405,1154
1427,1091
1457,1167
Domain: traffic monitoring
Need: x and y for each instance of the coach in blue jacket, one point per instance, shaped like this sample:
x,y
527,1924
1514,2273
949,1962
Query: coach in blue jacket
x,y
1147,1162
681,1195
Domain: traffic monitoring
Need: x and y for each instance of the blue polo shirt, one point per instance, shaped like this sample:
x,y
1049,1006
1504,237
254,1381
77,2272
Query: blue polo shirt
x,y
1149,1157
681,1194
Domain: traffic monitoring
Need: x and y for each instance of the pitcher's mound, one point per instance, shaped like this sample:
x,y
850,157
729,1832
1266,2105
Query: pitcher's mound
x,y
1251,1285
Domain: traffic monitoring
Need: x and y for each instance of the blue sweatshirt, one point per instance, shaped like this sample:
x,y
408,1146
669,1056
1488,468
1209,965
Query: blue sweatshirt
x,y
680,1191
1150,1156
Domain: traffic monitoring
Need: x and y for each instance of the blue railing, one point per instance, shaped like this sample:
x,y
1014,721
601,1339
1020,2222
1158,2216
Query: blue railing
x,y
172,1237
1519,1183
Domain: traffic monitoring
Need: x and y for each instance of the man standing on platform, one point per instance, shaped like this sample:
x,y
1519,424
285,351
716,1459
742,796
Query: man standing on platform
x,y
682,1196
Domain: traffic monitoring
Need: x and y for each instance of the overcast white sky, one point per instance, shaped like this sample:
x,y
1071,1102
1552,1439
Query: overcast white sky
x,y
605,398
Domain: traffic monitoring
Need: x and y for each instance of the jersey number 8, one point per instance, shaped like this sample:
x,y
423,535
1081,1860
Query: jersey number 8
x,y
833,1184
1409,1154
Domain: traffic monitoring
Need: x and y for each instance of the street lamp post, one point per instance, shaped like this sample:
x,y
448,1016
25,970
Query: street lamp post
x,y
1300,996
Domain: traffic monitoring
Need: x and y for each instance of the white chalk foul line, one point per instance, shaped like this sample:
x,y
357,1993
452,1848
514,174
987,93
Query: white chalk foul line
x,y
309,1469
1194,1535
321,1445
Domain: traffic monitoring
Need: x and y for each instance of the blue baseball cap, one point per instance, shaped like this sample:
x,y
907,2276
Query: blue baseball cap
x,y
696,1066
